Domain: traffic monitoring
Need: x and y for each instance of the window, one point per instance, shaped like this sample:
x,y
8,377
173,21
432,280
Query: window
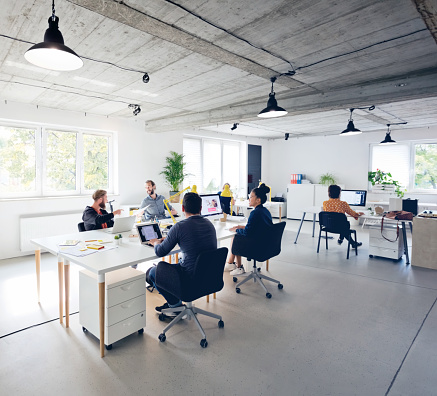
x,y
46,162
211,163
412,164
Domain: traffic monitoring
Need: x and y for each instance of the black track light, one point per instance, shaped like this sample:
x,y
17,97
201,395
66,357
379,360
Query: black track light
x,y
287,135
52,54
137,109
272,110
146,78
234,127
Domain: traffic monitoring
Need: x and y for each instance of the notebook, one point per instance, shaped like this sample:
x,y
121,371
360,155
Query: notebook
x,y
121,224
146,232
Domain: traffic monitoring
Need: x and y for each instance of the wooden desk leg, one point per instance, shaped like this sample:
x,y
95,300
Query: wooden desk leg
x,y
169,259
280,212
176,258
101,280
61,289
267,265
67,292
215,296
38,272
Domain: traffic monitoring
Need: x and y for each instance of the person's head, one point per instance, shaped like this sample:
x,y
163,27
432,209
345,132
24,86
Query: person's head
x,y
334,191
258,195
150,187
192,203
100,198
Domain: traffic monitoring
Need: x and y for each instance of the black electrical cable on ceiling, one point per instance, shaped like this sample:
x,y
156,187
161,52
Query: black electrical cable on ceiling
x,y
35,325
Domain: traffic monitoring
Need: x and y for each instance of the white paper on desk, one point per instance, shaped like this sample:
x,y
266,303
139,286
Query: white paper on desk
x,y
77,251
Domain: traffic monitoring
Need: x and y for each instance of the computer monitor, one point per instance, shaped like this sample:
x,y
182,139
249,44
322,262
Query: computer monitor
x,y
211,208
354,197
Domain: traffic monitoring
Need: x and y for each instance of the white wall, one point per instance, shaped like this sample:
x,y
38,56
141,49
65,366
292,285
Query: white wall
x,y
346,157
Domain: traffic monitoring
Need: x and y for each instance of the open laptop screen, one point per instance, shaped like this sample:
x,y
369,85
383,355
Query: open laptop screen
x,y
146,232
211,205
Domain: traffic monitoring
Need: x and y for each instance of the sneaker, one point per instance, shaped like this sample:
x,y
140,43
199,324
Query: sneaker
x,y
358,244
340,241
237,271
159,309
230,266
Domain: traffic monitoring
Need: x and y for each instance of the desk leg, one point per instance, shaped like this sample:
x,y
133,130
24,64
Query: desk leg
x,y
280,213
404,234
67,292
207,298
61,289
101,280
314,223
176,258
300,226
38,272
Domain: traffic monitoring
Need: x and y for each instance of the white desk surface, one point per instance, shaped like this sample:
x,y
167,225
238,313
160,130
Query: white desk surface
x,y
129,253
245,204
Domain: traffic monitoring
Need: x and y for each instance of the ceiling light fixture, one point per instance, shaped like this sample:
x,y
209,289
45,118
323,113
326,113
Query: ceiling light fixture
x,y
137,109
234,127
388,139
52,54
272,110
287,135
146,78
350,129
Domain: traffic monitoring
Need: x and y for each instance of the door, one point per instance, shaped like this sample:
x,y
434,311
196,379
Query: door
x,y
253,167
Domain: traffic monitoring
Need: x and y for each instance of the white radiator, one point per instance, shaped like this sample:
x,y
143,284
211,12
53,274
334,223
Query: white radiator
x,y
45,225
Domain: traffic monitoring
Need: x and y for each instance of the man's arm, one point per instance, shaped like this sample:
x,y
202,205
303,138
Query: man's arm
x,y
165,246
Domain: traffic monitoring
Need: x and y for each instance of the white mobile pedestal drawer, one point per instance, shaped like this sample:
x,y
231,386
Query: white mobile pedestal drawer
x,y
125,303
378,246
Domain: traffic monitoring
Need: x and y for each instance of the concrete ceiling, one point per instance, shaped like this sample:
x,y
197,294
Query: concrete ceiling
x,y
210,62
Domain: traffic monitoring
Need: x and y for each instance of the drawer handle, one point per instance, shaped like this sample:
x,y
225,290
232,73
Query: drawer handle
x,y
127,324
128,287
127,305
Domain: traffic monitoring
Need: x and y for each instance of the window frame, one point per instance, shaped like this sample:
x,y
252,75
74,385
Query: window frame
x,y
41,160
412,160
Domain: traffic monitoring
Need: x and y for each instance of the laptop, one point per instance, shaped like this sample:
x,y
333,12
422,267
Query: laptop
x,y
121,224
146,232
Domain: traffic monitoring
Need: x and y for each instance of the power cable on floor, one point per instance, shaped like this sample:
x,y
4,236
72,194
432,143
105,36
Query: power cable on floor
x,y
35,325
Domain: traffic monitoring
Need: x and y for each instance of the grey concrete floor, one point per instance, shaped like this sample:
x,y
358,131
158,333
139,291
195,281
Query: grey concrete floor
x,y
339,327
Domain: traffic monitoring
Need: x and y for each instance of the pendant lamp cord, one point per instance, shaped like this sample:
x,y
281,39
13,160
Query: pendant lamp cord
x,y
272,79
53,11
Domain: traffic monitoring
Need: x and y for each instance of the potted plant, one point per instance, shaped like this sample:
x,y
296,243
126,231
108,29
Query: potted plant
x,y
174,172
384,182
327,179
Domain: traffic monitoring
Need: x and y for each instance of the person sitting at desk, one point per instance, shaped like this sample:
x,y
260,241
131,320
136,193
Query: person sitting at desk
x,y
194,235
153,204
335,205
95,217
225,202
257,225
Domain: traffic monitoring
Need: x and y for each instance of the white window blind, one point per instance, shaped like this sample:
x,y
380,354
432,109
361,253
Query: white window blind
x,y
212,165
231,165
193,159
394,159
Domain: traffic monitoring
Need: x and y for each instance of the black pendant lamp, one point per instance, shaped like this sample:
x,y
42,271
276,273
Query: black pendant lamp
x,y
388,139
272,110
52,54
350,129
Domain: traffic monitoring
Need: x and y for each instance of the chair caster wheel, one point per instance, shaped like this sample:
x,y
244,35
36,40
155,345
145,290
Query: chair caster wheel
x,y
235,279
280,286
221,324
371,255
203,343
161,317
140,331
162,337
84,329
238,290
259,269
268,295
108,347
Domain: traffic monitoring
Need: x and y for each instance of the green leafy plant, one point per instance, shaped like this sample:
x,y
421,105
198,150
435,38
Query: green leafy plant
x,y
385,179
327,179
174,170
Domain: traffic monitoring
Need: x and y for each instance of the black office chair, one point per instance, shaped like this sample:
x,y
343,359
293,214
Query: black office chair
x,y
256,251
81,226
335,223
207,279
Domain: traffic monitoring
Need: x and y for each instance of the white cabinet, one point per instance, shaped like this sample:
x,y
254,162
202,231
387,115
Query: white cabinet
x,y
125,303
379,246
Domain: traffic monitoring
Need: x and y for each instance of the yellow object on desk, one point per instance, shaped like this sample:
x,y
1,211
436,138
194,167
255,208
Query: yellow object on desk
x,y
95,247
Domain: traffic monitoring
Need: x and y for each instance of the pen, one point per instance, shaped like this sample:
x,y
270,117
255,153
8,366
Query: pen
x,y
91,240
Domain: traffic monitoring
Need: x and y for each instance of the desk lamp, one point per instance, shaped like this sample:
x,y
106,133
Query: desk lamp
x,y
227,193
166,201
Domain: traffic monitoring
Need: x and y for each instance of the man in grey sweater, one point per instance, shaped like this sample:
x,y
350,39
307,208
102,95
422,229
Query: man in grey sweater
x,y
194,235
153,204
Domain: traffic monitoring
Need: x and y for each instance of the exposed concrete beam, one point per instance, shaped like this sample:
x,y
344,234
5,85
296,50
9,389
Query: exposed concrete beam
x,y
428,11
376,93
120,12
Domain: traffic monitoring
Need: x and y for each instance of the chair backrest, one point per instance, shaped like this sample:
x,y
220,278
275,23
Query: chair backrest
x,y
332,222
81,226
207,275
261,250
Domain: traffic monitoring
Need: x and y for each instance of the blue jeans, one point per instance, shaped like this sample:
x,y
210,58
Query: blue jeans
x,y
172,300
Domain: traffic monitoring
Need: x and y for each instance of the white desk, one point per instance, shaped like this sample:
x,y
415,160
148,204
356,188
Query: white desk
x,y
310,209
129,253
245,204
